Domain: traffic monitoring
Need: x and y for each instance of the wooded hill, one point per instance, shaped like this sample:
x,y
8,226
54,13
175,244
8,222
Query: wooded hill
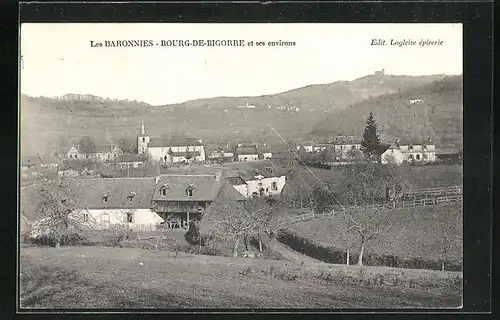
x,y
53,124
436,112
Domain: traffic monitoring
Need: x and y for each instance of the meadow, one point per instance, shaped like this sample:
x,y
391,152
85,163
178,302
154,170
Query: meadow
x,y
431,233
100,277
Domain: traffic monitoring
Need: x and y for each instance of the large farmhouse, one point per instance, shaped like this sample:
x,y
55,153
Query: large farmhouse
x,y
171,150
166,201
179,199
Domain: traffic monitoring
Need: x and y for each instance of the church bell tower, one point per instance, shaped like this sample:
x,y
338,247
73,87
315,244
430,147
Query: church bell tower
x,y
142,141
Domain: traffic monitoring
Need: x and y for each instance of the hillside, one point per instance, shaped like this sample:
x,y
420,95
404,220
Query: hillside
x,y
53,124
437,115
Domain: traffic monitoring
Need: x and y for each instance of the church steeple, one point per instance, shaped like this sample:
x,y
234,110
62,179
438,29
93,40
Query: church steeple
x,y
142,141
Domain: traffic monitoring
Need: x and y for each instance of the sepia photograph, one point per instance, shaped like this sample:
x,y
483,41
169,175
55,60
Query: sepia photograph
x,y
240,166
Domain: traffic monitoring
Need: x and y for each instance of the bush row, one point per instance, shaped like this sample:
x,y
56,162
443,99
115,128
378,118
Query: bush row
x,y
337,256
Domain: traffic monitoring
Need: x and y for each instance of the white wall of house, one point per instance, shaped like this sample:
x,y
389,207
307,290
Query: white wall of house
x,y
267,155
271,186
158,153
392,156
248,157
142,219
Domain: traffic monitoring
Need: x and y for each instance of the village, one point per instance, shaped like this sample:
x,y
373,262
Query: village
x,y
194,177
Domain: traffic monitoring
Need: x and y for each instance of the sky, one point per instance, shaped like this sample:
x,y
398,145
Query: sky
x,y
57,58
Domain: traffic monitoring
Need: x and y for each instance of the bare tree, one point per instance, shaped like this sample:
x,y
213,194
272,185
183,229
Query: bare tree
x,y
364,187
60,213
232,221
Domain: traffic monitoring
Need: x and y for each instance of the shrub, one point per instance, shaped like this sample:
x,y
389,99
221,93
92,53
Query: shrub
x,y
337,256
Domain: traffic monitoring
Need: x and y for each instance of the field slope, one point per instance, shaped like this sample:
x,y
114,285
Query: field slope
x,y
95,277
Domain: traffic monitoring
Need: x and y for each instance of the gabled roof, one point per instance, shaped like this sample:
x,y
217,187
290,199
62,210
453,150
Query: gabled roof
x,y
174,142
101,148
246,150
117,191
229,192
342,140
248,170
206,187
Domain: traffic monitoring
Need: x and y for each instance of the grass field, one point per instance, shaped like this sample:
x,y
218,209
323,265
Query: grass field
x,y
425,232
430,176
98,277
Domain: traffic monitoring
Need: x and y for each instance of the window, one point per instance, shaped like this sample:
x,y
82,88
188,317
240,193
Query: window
x,y
190,192
418,157
411,157
85,217
87,156
353,148
426,156
410,147
261,191
130,217
76,157
105,198
143,139
164,191
274,186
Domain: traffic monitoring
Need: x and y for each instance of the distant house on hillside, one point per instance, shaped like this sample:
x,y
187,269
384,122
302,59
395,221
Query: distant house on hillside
x,y
99,152
221,155
380,71
256,178
171,150
407,152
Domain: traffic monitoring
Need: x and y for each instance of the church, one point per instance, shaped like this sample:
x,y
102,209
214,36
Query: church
x,y
170,150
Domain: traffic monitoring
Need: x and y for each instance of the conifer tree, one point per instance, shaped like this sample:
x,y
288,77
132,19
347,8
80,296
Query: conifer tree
x,y
371,144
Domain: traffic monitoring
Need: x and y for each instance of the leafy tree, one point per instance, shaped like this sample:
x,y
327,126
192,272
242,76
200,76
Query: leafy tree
x,y
86,144
371,145
60,213
127,145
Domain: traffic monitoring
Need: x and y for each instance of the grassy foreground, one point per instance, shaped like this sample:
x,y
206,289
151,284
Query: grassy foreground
x,y
99,277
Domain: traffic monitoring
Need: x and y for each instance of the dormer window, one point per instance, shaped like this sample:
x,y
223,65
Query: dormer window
x,y
163,189
410,147
104,198
131,196
269,169
190,190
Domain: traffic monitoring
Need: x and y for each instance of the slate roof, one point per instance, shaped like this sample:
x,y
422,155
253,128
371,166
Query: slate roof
x,y
183,154
174,142
229,192
249,169
117,190
343,140
246,150
205,187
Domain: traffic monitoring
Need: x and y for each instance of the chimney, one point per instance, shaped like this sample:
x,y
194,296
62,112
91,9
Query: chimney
x,y
143,131
397,142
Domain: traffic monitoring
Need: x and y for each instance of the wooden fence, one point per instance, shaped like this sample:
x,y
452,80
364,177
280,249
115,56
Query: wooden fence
x,y
427,200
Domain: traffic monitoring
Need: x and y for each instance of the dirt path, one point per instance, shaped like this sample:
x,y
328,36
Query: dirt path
x,y
291,254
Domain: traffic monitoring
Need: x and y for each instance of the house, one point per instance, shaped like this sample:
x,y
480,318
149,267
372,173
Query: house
x,y
130,161
246,152
407,152
344,145
172,149
99,152
220,155
118,201
256,178
179,199
449,154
